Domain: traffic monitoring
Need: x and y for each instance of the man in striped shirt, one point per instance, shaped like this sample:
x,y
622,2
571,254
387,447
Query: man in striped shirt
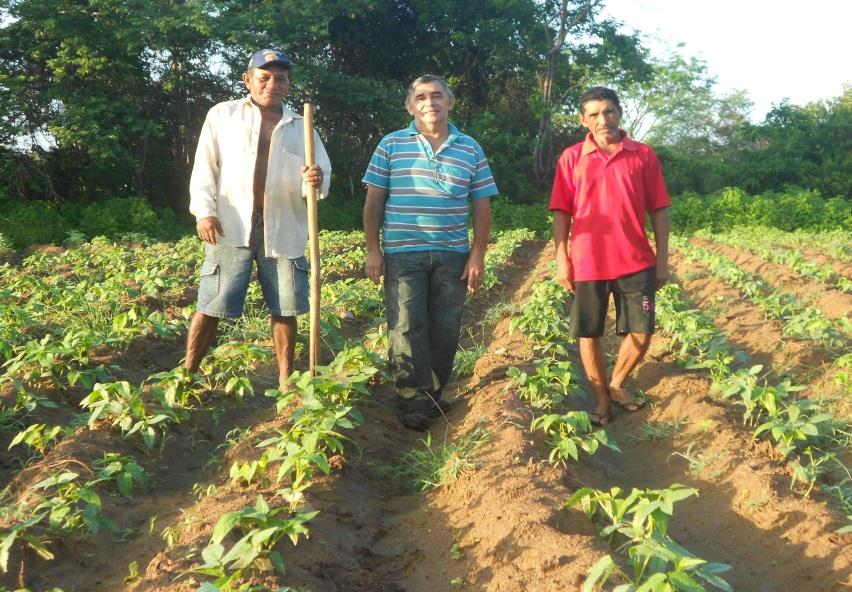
x,y
419,182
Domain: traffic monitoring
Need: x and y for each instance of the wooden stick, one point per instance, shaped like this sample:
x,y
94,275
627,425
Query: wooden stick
x,y
313,240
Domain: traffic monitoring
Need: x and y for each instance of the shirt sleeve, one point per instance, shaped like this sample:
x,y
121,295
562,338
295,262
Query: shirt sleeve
x,y
320,158
562,195
204,181
378,171
656,192
483,184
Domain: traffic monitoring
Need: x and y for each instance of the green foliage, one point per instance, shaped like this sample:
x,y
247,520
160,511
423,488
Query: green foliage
x,y
798,427
124,470
34,222
261,527
803,146
799,321
552,382
37,436
71,506
29,540
507,215
434,465
791,210
639,521
544,319
569,433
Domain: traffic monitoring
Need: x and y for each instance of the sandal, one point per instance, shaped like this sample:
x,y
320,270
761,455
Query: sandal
x,y
599,420
631,405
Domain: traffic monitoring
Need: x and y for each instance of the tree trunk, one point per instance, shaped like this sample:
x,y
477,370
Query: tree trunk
x,y
568,17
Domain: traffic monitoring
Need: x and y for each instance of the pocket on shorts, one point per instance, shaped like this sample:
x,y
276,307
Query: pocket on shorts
x,y
208,288
301,273
301,281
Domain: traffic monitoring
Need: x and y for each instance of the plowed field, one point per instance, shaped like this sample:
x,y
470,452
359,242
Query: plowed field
x,y
502,525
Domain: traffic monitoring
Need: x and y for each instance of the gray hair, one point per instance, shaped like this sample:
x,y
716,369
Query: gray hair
x,y
426,78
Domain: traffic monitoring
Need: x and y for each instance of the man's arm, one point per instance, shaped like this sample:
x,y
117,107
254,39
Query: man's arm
x,y
660,224
561,234
203,183
474,269
374,213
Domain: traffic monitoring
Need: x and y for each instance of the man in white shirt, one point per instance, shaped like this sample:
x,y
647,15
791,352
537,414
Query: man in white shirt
x,y
247,192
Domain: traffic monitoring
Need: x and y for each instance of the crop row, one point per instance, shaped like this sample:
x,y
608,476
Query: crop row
x,y
802,430
638,522
831,243
325,405
68,504
799,322
747,238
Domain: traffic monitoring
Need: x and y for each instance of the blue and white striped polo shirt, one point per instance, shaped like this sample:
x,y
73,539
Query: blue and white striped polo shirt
x,y
427,204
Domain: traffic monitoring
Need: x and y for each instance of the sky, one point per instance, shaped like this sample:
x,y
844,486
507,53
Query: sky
x,y
773,49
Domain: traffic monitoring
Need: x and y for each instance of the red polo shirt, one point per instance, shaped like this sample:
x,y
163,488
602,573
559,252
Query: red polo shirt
x,y
608,199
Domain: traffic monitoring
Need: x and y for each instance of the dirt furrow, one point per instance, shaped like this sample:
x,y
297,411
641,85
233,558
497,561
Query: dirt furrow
x,y
748,329
832,303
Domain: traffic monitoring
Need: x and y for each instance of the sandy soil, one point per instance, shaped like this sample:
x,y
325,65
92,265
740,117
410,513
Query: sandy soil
x,y
503,525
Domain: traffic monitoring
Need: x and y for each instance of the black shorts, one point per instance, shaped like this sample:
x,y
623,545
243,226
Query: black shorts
x,y
634,304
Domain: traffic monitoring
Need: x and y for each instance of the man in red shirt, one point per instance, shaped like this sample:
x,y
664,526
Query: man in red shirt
x,y
604,189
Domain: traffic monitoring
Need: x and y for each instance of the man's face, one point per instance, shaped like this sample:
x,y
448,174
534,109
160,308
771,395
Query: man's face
x,y
602,118
268,86
430,105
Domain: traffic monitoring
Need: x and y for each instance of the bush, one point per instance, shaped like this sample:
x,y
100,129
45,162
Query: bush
x,y
506,215
117,215
5,247
42,222
32,223
335,213
793,209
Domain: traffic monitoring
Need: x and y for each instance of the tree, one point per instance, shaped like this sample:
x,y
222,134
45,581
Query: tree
x,y
679,102
106,97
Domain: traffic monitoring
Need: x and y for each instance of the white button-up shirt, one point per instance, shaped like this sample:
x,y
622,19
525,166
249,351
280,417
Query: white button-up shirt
x,y
223,177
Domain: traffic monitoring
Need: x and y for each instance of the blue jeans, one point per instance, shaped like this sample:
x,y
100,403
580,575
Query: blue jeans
x,y
424,301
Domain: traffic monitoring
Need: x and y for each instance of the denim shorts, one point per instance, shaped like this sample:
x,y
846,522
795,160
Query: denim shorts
x,y
634,304
226,272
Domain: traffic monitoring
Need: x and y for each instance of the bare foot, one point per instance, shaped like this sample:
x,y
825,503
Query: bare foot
x,y
621,398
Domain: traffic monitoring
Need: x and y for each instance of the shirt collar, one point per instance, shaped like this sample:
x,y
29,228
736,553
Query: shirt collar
x,y
627,143
454,132
286,113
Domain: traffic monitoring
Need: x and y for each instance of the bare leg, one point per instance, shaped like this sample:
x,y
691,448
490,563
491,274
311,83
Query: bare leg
x,y
202,331
592,357
632,350
284,342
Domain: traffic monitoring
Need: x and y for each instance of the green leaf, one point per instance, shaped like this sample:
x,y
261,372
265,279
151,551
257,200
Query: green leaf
x,y
89,496
682,581
224,525
212,554
599,572
125,484
5,548
656,583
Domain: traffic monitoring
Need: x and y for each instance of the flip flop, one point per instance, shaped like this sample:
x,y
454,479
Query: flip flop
x,y
599,420
630,405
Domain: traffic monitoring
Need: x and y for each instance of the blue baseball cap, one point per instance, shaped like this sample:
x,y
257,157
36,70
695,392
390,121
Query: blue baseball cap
x,y
268,57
